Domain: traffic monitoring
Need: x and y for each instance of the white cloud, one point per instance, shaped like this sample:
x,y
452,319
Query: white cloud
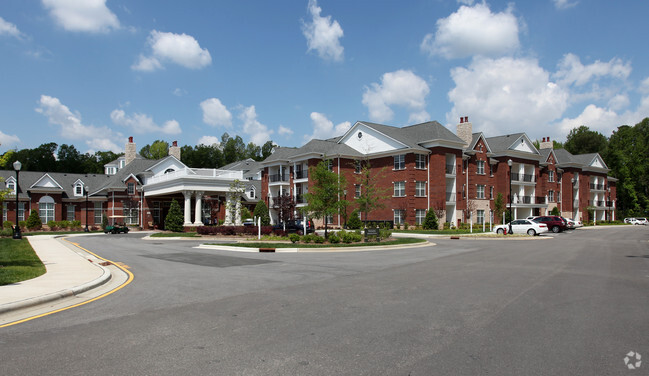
x,y
284,131
644,86
465,2
402,88
324,128
9,29
8,140
564,4
215,113
506,95
181,49
209,141
473,31
258,132
71,126
322,34
179,92
573,72
141,123
82,15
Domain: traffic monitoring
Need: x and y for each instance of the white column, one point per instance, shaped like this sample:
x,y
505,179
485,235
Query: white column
x,y
198,208
228,212
237,215
188,208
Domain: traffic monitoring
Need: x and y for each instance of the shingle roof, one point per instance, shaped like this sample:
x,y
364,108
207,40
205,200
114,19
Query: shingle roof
x,y
65,180
281,154
413,135
503,143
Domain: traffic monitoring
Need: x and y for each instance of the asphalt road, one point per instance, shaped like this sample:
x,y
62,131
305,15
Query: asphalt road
x,y
575,303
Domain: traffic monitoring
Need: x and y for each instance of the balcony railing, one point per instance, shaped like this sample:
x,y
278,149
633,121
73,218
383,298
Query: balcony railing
x,y
277,177
528,178
300,199
450,169
597,187
540,200
450,196
302,174
524,177
597,203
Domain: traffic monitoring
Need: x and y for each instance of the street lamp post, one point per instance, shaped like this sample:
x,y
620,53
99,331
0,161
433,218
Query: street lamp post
x,y
510,163
17,166
609,204
87,189
572,198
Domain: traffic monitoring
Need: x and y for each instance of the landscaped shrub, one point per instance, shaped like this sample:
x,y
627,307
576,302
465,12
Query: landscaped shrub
x,y
294,238
7,224
307,238
34,221
22,224
354,222
104,221
384,234
174,220
261,211
430,222
6,232
318,239
405,225
346,237
53,225
334,238
75,224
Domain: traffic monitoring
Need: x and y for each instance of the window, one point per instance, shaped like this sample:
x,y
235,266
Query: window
x,y
78,190
357,190
480,168
491,193
480,217
357,167
131,213
399,188
420,189
11,185
551,196
251,192
399,162
131,188
399,216
551,176
46,209
329,219
4,212
480,191
330,165
420,216
420,161
21,211
98,212
69,213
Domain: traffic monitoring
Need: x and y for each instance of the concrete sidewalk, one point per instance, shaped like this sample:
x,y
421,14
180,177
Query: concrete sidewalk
x,y
69,272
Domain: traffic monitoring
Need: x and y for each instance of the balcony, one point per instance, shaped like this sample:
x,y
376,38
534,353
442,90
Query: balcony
x,y
597,187
540,200
450,196
597,203
450,169
300,199
526,178
277,178
301,174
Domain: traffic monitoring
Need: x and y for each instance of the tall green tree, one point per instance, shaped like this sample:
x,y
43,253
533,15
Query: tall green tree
x,y
323,198
267,149
499,207
174,220
69,159
157,150
261,211
584,141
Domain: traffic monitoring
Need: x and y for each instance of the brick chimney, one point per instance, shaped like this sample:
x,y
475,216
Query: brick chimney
x,y
465,130
130,151
174,150
546,143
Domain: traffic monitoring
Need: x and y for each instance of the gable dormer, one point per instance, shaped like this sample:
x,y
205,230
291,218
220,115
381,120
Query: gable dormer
x,y
46,183
524,144
598,162
10,183
367,140
78,188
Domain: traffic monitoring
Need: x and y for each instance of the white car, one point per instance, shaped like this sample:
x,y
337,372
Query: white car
x,y
629,220
522,226
640,221
572,223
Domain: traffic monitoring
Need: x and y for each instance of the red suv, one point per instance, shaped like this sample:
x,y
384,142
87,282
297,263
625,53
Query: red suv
x,y
554,223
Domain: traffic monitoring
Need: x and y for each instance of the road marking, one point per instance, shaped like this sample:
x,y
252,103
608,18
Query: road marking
x,y
119,265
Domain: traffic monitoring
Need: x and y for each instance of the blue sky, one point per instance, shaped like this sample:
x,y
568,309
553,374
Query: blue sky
x,y
93,72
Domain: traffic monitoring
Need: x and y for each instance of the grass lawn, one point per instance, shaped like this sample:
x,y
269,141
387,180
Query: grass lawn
x,y
476,230
339,245
175,235
18,261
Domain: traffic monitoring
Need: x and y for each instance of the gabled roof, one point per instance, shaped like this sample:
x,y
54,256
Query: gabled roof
x,y
506,143
475,137
65,182
326,148
46,182
280,154
116,182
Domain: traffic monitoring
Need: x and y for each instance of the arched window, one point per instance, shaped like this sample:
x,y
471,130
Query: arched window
x,y
46,209
169,170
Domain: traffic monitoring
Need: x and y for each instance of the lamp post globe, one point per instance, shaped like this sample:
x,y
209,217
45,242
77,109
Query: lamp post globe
x,y
17,167
510,163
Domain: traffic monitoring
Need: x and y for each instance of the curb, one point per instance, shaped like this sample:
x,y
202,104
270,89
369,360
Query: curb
x,y
330,249
47,298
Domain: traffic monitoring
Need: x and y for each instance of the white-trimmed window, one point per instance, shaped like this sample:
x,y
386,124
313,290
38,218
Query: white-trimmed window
x,y
357,190
46,209
4,212
420,189
420,161
251,191
420,216
551,196
399,216
480,165
78,189
98,212
399,188
11,185
131,213
357,166
480,191
131,188
69,213
21,211
329,219
551,176
400,162
491,193
480,216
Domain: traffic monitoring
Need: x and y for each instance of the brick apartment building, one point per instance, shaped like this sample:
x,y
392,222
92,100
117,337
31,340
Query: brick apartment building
x,y
135,191
426,166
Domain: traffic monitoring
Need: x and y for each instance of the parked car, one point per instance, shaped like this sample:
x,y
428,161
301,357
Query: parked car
x,y
249,222
640,221
522,226
116,229
629,220
572,223
555,223
296,226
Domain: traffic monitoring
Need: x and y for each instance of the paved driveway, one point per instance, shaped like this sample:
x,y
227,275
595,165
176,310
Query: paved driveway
x,y
574,304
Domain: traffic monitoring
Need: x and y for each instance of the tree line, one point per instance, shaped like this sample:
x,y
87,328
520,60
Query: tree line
x,y
50,157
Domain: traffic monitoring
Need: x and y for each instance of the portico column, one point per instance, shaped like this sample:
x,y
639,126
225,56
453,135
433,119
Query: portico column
x,y
237,219
188,208
198,209
228,211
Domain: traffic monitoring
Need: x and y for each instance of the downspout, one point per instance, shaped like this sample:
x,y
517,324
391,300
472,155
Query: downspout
x,y
428,182
339,189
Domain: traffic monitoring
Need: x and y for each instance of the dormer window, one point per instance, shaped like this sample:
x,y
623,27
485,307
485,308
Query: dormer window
x,y
131,188
251,191
11,185
122,163
78,190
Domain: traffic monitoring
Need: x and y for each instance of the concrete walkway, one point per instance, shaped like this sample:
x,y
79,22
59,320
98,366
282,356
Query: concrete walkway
x,y
70,271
